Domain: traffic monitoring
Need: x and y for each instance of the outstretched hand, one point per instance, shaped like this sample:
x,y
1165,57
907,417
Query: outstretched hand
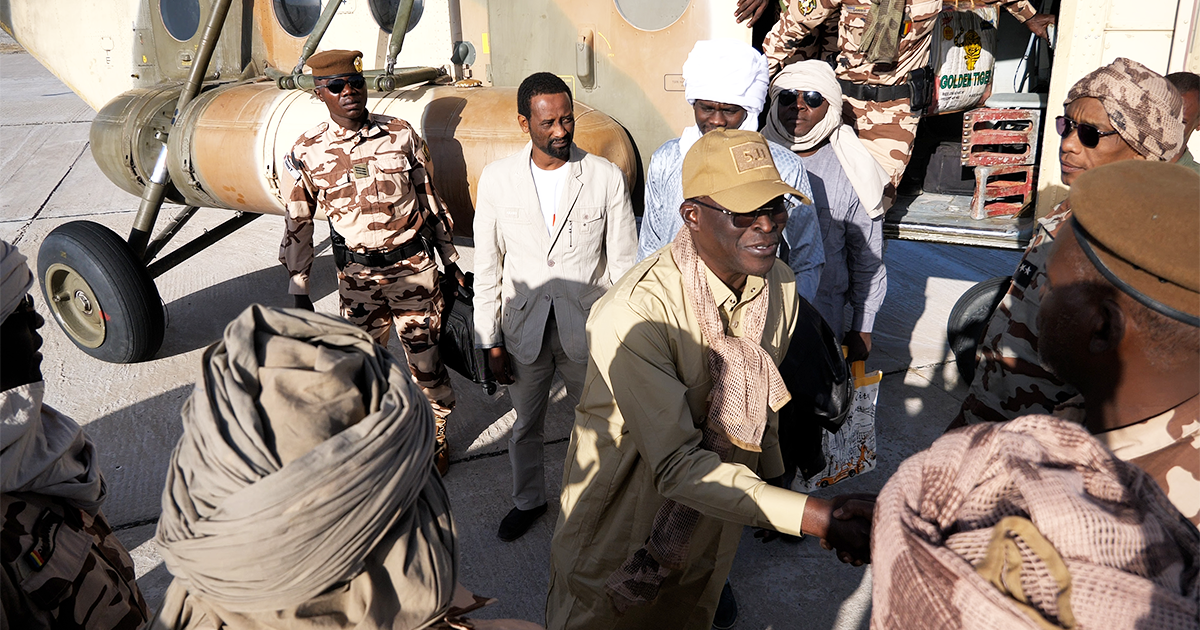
x,y
849,531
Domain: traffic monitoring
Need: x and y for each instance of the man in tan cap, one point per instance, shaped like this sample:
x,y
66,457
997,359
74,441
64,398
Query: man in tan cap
x,y
677,427
1120,318
372,176
1122,111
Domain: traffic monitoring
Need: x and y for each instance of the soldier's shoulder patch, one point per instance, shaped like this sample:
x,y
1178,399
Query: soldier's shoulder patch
x,y
1024,274
293,165
807,6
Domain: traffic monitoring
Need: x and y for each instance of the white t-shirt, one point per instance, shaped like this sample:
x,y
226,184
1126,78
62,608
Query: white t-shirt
x,y
549,186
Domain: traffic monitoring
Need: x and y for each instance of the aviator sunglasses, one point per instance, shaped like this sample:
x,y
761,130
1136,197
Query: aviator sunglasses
x,y
336,86
743,220
812,98
1089,135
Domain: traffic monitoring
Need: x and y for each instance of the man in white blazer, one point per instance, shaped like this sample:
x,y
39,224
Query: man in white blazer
x,y
554,229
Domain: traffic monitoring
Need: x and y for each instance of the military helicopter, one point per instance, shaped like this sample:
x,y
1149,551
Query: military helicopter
x,y
198,100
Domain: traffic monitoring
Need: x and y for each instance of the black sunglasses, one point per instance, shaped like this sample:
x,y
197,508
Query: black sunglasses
x,y
335,86
812,98
742,220
1089,135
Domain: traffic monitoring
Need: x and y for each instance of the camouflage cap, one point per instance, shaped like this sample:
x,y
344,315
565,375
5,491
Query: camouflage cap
x,y
335,63
735,169
1141,104
1138,223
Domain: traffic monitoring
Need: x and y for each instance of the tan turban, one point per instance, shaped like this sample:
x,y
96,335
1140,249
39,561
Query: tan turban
x,y
306,463
1141,104
15,279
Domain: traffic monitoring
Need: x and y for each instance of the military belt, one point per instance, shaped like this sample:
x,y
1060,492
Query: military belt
x,y
386,259
875,93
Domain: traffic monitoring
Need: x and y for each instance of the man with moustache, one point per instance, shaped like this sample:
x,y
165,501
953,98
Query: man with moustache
x,y
554,229
677,426
372,176
1122,111
726,83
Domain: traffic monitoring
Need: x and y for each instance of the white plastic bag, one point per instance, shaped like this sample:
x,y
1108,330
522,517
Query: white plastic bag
x,y
962,58
851,451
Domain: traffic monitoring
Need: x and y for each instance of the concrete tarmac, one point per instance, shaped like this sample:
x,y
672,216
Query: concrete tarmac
x,y
48,177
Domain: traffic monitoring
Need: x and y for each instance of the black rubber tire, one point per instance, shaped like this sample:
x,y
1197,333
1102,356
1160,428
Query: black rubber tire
x,y
968,321
130,323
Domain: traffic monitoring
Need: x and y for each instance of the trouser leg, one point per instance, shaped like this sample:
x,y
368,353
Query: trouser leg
x,y
373,299
530,394
888,130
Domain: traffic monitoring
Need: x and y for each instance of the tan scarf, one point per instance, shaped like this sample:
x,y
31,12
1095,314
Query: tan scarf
x,y
745,382
881,37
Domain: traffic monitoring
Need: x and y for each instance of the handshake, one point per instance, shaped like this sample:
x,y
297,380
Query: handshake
x,y
843,524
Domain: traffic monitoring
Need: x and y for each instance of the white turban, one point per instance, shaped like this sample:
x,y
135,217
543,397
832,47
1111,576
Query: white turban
x,y
862,169
15,279
725,71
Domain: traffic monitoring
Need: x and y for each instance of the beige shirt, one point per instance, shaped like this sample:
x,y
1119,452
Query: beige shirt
x,y
1168,447
636,443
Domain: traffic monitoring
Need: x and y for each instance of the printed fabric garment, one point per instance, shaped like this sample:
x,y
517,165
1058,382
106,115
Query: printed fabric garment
x,y
62,565
802,235
1009,378
1167,446
376,187
786,42
64,568
375,298
854,272
636,444
1030,524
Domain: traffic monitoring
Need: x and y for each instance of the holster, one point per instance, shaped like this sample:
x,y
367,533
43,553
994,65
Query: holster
x,y
920,81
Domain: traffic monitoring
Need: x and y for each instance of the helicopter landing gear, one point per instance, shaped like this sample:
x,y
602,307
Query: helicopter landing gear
x,y
100,293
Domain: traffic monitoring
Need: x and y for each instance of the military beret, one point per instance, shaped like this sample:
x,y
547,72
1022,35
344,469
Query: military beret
x,y
335,63
1138,221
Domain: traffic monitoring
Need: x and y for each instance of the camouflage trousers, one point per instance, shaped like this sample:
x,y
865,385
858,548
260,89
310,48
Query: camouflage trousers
x,y
373,298
63,568
888,130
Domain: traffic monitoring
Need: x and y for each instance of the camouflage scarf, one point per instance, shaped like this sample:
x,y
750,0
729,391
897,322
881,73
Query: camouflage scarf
x,y
1030,524
1144,108
745,383
881,37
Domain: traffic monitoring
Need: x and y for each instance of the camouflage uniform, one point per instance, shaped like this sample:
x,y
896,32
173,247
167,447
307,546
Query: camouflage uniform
x,y
888,128
1009,380
376,187
1166,446
64,568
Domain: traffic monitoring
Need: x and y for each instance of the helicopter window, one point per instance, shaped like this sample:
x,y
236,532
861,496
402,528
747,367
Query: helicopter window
x,y
181,17
651,15
298,17
384,12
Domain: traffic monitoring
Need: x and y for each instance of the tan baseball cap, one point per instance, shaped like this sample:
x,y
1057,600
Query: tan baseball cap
x,y
735,169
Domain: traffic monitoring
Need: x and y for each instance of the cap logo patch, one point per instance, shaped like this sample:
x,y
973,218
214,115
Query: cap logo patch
x,y
750,155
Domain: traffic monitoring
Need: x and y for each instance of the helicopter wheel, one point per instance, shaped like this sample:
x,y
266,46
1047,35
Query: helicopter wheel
x,y
100,293
968,321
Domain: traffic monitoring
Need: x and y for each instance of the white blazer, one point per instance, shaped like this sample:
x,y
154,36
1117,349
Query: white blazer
x,y
521,269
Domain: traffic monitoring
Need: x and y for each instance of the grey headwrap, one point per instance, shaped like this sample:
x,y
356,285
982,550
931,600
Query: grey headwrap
x,y
15,279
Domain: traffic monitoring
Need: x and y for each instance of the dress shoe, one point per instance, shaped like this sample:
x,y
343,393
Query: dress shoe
x,y
726,609
518,521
